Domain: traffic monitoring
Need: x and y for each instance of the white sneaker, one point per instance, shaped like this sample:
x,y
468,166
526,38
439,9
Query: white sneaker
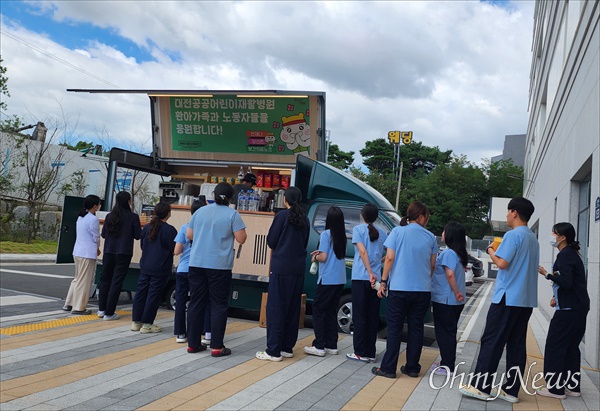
x,y
115,316
181,338
332,351
205,341
503,396
355,357
314,351
471,391
262,355
100,314
570,393
286,354
545,393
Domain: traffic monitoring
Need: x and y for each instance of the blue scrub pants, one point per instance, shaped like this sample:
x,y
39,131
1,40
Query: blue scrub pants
x,y
208,286
505,326
114,270
149,293
182,289
365,317
561,355
325,305
283,312
445,318
413,306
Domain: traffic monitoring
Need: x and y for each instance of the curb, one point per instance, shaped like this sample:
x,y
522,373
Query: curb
x,y
27,258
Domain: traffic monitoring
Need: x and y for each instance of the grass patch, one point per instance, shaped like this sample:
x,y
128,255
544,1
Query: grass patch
x,y
36,247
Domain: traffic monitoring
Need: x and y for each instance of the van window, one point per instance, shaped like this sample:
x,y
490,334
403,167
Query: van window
x,y
351,218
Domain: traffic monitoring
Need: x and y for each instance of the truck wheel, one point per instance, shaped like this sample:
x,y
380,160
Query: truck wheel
x,y
344,314
170,297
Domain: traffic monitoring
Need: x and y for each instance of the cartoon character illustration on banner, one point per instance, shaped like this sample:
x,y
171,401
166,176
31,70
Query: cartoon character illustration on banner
x,y
295,133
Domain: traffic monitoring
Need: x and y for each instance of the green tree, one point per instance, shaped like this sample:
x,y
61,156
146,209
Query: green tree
x,y
454,192
6,122
505,178
338,158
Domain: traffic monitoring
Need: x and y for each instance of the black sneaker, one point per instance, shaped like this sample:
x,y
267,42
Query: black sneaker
x,y
378,371
81,312
409,373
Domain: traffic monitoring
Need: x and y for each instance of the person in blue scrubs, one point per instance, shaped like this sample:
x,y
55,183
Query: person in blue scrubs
x,y
156,264
562,358
515,295
212,230
448,293
331,256
288,238
368,242
408,266
182,285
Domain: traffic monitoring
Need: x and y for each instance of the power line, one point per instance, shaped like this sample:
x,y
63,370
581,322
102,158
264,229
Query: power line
x,y
40,50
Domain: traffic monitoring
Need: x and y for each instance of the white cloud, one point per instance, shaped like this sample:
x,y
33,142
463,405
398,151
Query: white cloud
x,y
455,73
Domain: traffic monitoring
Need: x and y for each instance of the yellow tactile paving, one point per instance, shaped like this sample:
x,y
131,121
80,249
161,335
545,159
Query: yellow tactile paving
x,y
390,394
31,384
61,322
59,333
225,384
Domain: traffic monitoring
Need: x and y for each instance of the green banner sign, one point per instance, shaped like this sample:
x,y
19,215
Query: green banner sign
x,y
243,125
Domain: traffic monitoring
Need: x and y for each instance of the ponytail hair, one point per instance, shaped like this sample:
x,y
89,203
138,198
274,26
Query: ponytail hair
x,y
369,213
297,216
414,210
89,202
568,231
336,225
161,211
455,239
114,219
223,194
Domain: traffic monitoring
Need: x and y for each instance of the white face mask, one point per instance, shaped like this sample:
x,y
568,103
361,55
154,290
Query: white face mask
x,y
553,240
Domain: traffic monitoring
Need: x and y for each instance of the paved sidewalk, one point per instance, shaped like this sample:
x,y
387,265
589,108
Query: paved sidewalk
x,y
84,363
27,258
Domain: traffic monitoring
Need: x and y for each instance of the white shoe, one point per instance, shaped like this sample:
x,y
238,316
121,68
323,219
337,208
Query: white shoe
x,y
545,393
355,357
570,393
181,338
314,351
100,314
205,341
262,355
286,354
115,316
332,351
503,396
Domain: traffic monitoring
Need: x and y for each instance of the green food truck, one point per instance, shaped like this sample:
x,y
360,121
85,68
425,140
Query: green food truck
x,y
201,138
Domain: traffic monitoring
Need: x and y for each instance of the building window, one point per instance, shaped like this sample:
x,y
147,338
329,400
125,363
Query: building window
x,y
583,218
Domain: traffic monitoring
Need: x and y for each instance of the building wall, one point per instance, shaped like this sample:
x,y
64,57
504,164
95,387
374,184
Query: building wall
x,y
563,141
94,169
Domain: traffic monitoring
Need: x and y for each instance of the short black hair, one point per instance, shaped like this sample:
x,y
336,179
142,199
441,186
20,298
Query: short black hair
x,y
523,207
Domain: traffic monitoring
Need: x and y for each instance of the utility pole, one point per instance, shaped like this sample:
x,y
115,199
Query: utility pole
x,y
394,138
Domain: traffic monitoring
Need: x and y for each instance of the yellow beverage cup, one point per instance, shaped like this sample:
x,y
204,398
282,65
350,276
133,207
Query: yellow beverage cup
x,y
496,243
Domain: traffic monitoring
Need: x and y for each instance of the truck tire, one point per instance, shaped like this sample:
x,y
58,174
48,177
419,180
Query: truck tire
x,y
170,296
344,314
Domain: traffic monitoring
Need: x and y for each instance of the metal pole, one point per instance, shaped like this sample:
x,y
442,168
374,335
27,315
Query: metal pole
x,y
398,190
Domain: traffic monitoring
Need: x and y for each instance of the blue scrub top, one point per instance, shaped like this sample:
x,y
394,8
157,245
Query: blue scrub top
x,y
375,249
414,246
440,288
213,227
184,258
519,280
333,270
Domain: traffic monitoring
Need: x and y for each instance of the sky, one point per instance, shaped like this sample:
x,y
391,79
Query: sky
x,y
454,73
